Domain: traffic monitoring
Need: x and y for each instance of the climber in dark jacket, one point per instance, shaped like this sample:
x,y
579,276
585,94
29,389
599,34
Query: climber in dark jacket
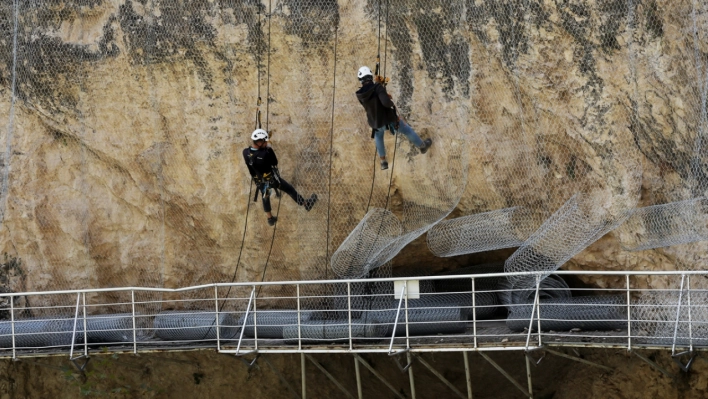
x,y
263,166
381,115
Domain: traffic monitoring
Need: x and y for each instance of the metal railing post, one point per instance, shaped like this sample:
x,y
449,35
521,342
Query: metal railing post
x,y
83,300
678,315
629,317
408,342
216,317
73,332
395,322
12,326
533,309
135,333
538,311
474,316
255,321
690,319
349,307
245,321
299,319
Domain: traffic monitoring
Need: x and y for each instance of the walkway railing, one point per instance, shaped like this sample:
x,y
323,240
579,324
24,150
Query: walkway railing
x,y
396,315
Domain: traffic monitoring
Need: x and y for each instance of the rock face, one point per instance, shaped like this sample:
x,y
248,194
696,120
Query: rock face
x,y
126,120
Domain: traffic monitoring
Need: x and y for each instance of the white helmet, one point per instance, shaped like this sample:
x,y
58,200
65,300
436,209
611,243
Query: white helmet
x,y
363,72
259,134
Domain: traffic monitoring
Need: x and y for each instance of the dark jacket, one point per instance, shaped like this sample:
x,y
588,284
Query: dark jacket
x,y
260,161
380,110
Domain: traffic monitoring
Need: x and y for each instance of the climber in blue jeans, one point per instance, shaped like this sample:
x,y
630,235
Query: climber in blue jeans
x,y
381,115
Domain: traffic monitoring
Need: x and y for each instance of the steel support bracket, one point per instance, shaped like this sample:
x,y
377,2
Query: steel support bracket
x,y
243,360
529,353
394,356
679,356
80,367
651,363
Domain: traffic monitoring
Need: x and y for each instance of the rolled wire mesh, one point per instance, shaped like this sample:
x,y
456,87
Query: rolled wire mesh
x,y
551,287
657,226
320,331
106,328
657,318
480,232
423,319
566,233
270,323
37,332
194,326
378,230
601,312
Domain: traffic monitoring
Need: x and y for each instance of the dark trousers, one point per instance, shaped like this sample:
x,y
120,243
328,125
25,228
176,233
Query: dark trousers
x,y
286,188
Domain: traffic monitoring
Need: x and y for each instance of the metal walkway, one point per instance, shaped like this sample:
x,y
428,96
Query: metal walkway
x,y
317,317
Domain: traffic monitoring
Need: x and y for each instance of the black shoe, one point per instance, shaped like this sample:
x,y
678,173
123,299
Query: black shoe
x,y
426,146
272,220
384,165
310,202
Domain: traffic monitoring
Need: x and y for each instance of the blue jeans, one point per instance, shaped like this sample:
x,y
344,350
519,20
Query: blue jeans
x,y
403,128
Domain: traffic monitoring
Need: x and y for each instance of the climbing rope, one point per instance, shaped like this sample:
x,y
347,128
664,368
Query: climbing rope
x,y
258,125
331,146
280,201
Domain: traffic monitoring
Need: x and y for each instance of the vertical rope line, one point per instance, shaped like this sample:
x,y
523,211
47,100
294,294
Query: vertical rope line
x,y
385,40
270,10
395,141
11,119
259,57
250,185
331,147
280,200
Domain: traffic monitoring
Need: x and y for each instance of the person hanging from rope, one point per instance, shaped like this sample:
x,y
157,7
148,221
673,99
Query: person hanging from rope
x,y
381,115
263,166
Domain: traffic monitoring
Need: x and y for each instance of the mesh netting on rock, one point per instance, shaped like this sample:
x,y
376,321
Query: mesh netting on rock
x,y
603,312
480,232
664,225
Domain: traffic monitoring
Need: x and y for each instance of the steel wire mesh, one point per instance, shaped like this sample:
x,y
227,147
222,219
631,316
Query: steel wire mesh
x,y
551,287
601,312
480,232
657,318
664,225
194,326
